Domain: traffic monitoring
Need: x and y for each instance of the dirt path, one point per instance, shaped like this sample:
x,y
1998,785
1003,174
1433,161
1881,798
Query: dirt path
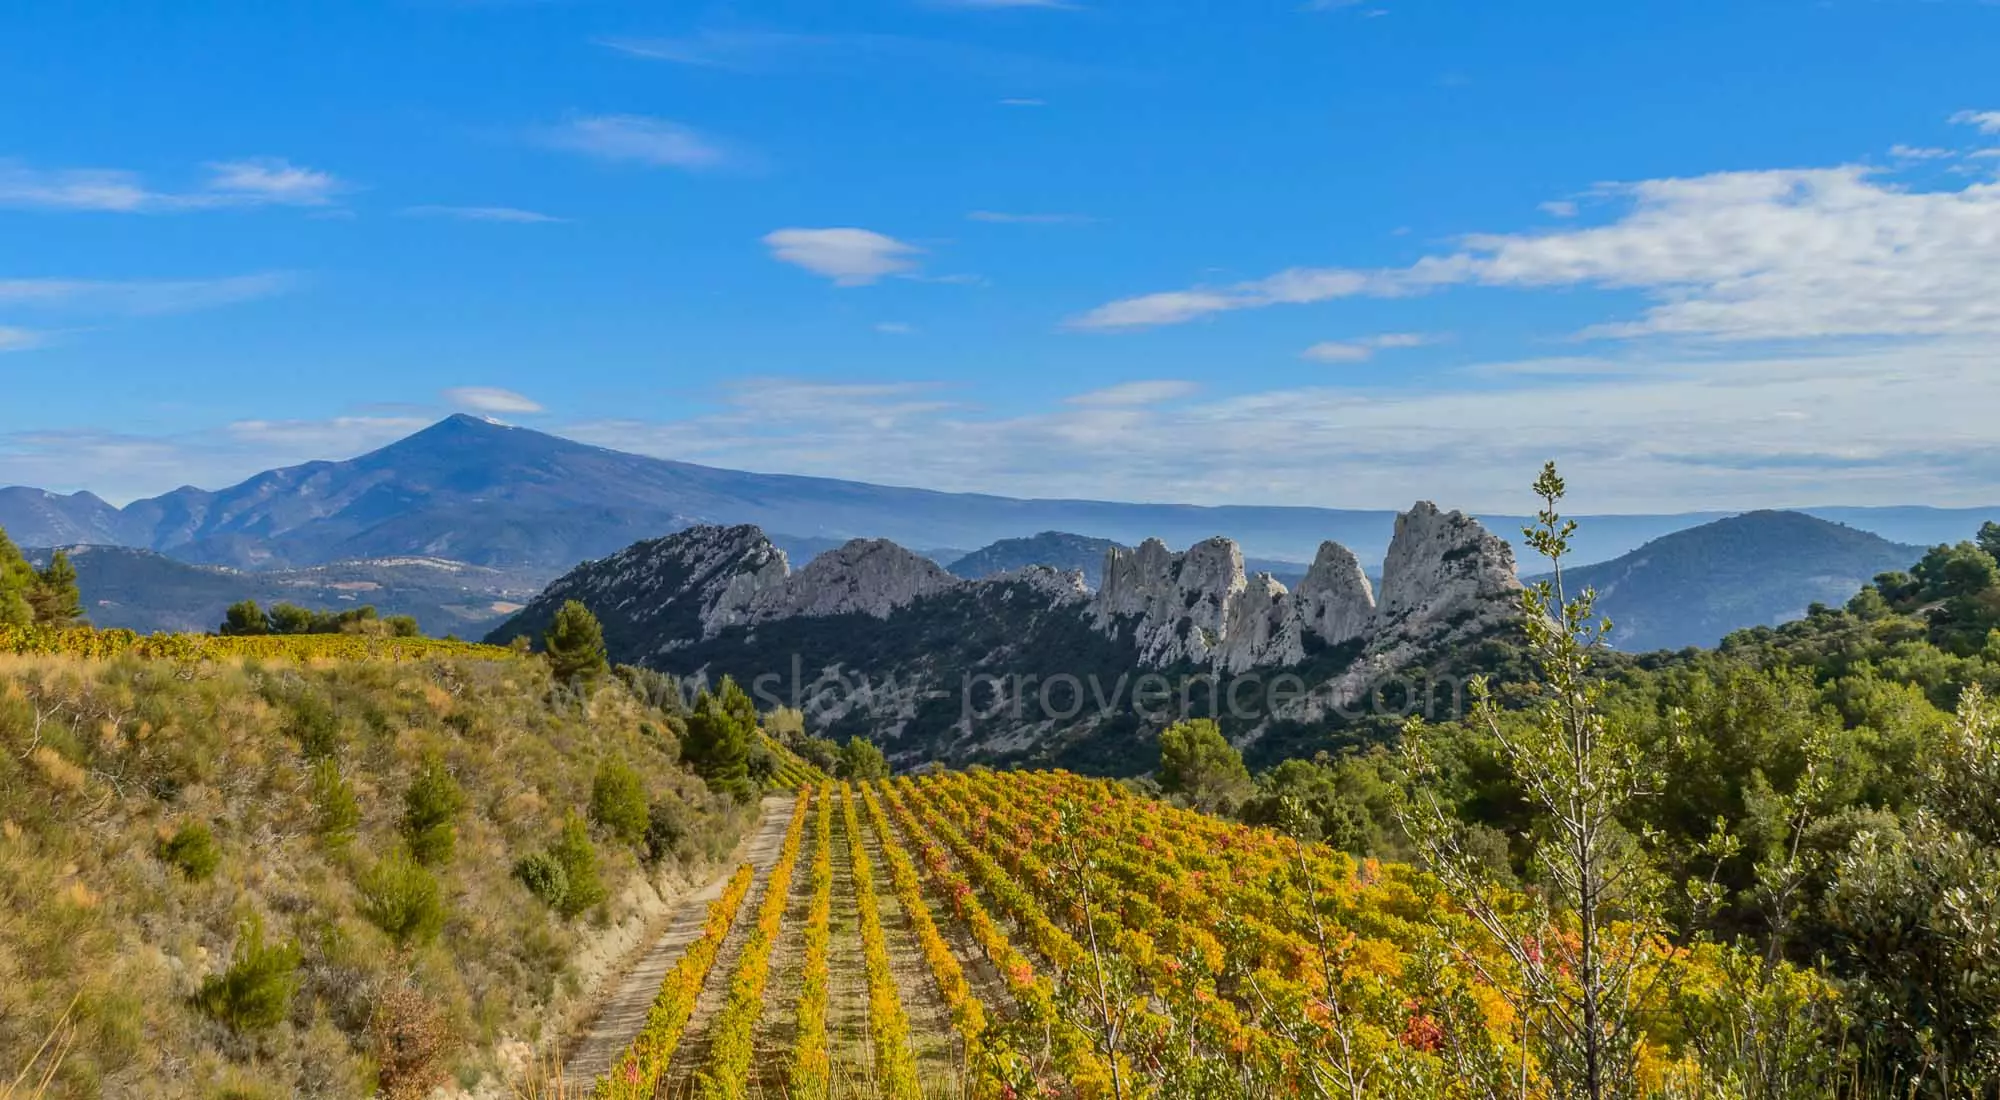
x,y
624,1012
848,1040
933,1039
692,1053
778,1025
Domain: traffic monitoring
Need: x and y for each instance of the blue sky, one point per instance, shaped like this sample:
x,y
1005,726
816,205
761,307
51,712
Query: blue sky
x,y
1708,254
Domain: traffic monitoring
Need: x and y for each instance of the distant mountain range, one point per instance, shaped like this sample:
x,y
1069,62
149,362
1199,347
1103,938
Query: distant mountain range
x,y
145,591
528,506
1761,568
471,490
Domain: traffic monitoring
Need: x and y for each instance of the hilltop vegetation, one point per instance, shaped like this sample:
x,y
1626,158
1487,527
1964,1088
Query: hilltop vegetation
x,y
1759,569
257,877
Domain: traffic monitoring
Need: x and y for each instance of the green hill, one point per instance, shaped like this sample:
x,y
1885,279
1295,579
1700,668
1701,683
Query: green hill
x,y
1758,569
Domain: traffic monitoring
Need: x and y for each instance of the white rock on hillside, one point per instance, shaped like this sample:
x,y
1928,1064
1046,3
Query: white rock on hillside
x,y
871,576
1442,567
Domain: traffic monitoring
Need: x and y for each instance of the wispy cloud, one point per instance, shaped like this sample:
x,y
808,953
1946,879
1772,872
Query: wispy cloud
x,y
1023,101
490,399
999,218
1637,433
140,297
270,180
1919,152
1559,208
1986,122
848,256
1135,394
895,328
20,339
1357,351
757,51
737,50
482,214
1756,255
255,181
638,139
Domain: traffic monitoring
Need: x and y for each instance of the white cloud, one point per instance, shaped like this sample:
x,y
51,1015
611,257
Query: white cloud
x,y
895,328
1135,394
142,296
20,339
999,218
1919,152
1333,351
1023,101
490,399
1356,351
1561,208
255,181
1642,433
636,138
270,180
848,256
482,214
1787,254
1986,122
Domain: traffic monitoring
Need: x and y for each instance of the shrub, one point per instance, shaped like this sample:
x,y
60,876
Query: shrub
x,y
412,1044
822,753
861,760
618,800
316,727
192,851
544,877
255,992
573,851
430,809
668,824
402,899
337,812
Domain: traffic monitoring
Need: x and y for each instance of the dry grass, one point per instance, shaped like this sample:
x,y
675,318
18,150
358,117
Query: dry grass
x,y
98,759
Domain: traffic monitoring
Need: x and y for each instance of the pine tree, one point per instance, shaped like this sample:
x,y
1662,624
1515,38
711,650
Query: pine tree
x,y
575,644
17,579
720,732
54,596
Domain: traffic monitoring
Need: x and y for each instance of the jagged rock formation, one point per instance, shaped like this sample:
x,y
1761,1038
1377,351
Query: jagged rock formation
x,y
874,639
1335,601
870,576
1441,565
1064,586
1177,605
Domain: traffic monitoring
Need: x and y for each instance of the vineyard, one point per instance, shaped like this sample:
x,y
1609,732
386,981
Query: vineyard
x,y
44,641
1039,934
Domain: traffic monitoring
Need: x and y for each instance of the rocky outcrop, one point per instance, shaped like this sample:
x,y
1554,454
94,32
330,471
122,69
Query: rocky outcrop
x,y
1177,605
663,594
869,576
1063,586
1445,573
1335,601
1443,567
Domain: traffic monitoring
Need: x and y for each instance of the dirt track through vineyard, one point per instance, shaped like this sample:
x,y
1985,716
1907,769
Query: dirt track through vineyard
x,y
624,1013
